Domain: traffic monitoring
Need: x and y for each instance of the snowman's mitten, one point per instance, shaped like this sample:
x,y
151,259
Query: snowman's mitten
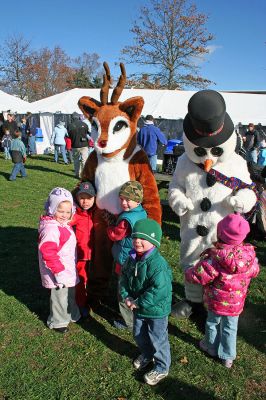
x,y
183,205
237,203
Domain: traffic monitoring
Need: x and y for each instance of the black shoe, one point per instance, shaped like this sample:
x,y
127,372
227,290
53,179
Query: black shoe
x,y
64,329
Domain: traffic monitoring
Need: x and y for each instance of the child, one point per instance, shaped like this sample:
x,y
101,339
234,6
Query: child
x,y
131,195
6,143
69,149
84,197
146,288
18,154
57,245
225,271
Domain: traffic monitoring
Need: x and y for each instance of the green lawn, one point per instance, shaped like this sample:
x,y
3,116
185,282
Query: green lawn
x,y
94,360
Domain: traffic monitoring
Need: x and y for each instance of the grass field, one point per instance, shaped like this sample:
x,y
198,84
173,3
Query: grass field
x,y
94,360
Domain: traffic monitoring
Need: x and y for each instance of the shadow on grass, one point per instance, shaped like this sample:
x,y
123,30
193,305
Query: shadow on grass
x,y
172,389
252,325
44,169
170,223
20,269
6,175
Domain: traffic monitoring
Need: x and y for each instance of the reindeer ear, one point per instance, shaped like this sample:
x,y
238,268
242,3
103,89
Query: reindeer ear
x,y
132,107
88,106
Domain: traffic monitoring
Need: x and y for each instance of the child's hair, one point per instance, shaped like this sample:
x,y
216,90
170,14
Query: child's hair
x,y
149,230
17,133
233,229
57,196
132,190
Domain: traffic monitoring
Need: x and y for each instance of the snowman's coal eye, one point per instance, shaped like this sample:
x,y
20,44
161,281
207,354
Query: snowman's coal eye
x,y
217,151
200,151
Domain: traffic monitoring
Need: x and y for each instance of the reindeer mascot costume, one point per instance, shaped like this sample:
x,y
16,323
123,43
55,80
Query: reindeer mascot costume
x,y
115,160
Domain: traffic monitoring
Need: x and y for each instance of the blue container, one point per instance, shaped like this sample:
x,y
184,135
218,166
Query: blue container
x,y
39,135
171,144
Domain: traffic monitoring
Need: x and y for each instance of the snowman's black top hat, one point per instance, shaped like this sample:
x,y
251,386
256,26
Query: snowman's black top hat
x,y
207,123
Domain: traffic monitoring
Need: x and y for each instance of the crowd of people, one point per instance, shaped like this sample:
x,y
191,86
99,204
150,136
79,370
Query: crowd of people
x,y
254,143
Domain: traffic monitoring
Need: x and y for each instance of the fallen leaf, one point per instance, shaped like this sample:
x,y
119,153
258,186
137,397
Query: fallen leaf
x,y
184,360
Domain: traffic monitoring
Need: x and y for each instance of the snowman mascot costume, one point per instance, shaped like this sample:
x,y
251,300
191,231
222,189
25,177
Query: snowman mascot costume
x,y
210,181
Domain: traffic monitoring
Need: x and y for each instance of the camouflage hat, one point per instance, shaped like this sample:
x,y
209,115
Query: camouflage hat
x,y
132,190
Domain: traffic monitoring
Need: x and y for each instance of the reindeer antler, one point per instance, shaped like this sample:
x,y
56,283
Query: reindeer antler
x,y
120,86
106,84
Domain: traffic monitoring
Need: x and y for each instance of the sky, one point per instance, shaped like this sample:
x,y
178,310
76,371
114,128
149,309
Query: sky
x,y
237,58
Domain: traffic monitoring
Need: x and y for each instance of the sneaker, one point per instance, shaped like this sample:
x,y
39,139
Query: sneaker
x,y
64,329
120,325
153,377
204,348
227,363
141,362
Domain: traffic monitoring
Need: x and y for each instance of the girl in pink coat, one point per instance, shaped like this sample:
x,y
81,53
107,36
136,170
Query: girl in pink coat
x,y
57,247
225,271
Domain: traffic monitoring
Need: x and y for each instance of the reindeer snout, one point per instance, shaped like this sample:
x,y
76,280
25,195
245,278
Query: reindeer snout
x,y
102,143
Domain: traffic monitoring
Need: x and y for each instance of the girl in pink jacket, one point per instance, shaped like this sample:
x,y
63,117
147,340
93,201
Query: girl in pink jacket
x,y
225,271
57,247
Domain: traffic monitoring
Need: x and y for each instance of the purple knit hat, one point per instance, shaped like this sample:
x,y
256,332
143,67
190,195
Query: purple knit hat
x,y
233,229
56,196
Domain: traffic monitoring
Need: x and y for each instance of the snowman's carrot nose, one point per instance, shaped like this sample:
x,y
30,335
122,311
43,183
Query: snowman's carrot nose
x,y
207,165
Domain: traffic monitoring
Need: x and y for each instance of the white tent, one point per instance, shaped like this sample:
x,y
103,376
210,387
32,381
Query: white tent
x,y
168,104
8,102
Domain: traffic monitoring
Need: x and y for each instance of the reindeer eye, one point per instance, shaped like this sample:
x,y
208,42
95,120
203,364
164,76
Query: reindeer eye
x,y
94,125
120,125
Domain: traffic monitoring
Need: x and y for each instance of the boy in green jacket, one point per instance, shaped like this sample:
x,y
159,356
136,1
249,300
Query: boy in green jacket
x,y
146,288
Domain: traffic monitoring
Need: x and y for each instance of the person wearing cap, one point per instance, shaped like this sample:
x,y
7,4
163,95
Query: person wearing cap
x,y
58,140
252,143
82,221
57,263
148,138
130,195
146,289
225,271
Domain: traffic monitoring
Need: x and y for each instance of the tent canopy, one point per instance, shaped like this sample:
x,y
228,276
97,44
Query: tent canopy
x,y
168,104
8,102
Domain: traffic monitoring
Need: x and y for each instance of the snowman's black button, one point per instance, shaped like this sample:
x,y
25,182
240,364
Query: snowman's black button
x,y
210,180
205,204
202,230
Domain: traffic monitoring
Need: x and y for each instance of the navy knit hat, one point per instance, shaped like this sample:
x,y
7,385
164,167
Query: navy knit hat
x,y
149,230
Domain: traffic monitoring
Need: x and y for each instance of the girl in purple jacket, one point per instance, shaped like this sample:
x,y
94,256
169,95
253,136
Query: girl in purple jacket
x,y
57,246
225,271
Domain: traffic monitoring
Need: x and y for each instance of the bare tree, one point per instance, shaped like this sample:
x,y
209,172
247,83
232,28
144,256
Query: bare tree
x,y
170,41
87,71
13,55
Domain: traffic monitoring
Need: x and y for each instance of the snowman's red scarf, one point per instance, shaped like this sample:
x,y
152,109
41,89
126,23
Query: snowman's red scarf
x,y
235,184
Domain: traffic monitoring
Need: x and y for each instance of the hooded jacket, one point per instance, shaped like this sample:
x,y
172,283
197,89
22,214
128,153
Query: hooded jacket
x,y
58,136
57,245
225,272
77,132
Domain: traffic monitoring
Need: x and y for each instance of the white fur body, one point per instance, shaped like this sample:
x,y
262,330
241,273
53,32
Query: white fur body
x,y
111,174
189,182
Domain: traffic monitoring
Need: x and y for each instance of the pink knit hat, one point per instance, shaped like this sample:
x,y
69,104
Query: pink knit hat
x,y
56,196
233,229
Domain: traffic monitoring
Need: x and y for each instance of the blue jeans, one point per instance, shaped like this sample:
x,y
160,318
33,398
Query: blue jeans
x,y
151,336
220,335
7,153
32,144
62,149
18,167
153,162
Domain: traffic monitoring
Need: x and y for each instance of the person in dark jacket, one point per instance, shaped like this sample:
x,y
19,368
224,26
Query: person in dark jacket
x,y
78,131
31,125
10,125
18,154
252,143
146,288
148,138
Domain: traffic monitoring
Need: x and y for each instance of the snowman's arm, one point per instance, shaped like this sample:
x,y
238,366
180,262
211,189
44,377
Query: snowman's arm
x,y
178,201
243,200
